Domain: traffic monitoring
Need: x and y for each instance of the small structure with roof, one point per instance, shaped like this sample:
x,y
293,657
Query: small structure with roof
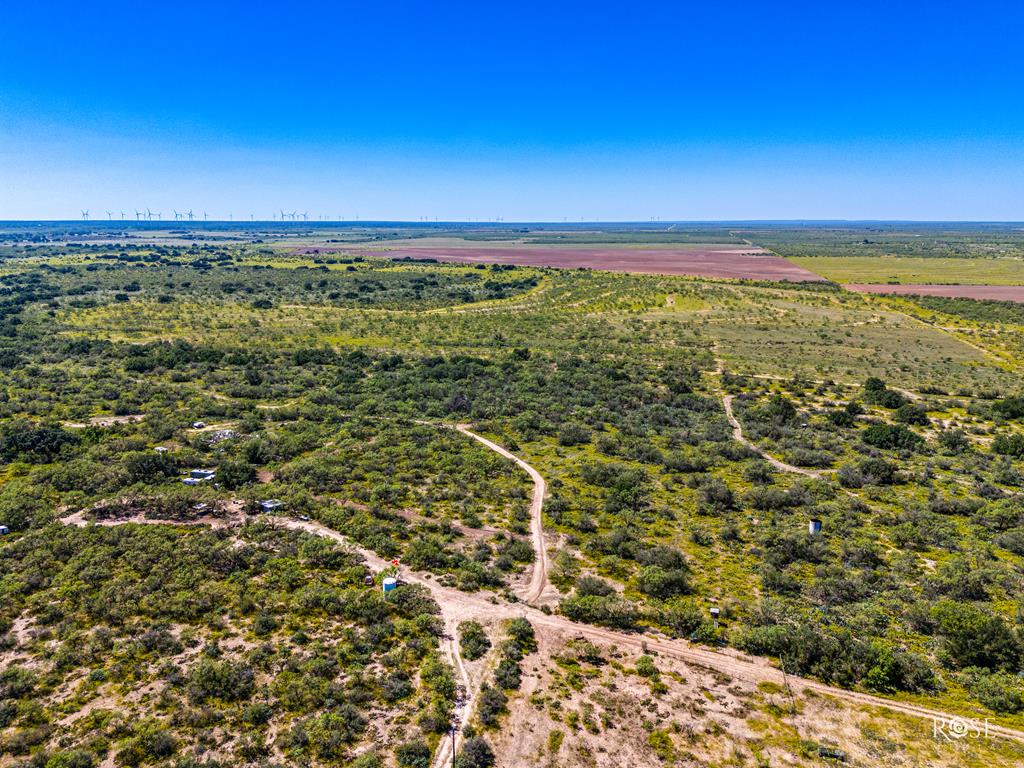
x,y
197,476
814,526
269,505
4,530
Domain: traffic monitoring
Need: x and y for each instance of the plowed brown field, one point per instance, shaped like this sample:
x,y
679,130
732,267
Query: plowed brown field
x,y
987,292
703,261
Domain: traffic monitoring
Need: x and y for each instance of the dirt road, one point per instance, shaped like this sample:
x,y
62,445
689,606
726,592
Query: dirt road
x,y
457,606
738,436
539,584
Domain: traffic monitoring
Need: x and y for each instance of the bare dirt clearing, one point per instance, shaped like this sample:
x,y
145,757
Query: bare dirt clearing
x,y
981,292
104,421
586,704
721,261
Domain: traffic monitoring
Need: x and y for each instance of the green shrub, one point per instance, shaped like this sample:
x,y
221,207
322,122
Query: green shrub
x,y
413,754
976,637
1009,445
476,753
654,581
908,413
610,611
223,680
473,641
520,631
490,704
891,437
645,667
999,691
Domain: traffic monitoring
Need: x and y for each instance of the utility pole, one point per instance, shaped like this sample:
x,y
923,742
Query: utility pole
x,y
785,679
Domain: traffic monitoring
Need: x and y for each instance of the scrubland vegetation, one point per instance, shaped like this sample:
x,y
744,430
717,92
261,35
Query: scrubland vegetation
x,y
322,381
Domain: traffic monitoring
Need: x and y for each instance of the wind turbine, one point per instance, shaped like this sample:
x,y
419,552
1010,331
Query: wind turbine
x,y
305,216
292,215
109,215
149,215
177,216
122,215
138,214
283,215
189,214
85,215
204,215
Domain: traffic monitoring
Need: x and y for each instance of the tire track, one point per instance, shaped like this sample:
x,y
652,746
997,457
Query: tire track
x,y
738,436
539,575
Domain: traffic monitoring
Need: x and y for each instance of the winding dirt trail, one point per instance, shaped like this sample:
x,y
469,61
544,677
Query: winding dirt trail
x,y
539,583
457,606
739,437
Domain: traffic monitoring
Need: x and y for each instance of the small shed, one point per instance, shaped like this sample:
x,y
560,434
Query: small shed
x,y
161,449
389,584
814,526
202,474
198,424
4,530
191,481
269,505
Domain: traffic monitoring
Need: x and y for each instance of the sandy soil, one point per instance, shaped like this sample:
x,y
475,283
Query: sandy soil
x,y
104,421
603,715
985,292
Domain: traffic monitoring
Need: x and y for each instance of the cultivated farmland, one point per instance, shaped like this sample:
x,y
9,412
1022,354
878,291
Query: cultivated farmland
x,y
698,261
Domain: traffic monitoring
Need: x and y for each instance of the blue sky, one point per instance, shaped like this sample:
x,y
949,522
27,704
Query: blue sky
x,y
528,111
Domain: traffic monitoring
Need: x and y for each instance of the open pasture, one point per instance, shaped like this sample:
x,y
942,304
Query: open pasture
x,y
913,269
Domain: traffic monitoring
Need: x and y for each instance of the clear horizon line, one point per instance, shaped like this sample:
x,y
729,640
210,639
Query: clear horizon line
x,y
496,222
